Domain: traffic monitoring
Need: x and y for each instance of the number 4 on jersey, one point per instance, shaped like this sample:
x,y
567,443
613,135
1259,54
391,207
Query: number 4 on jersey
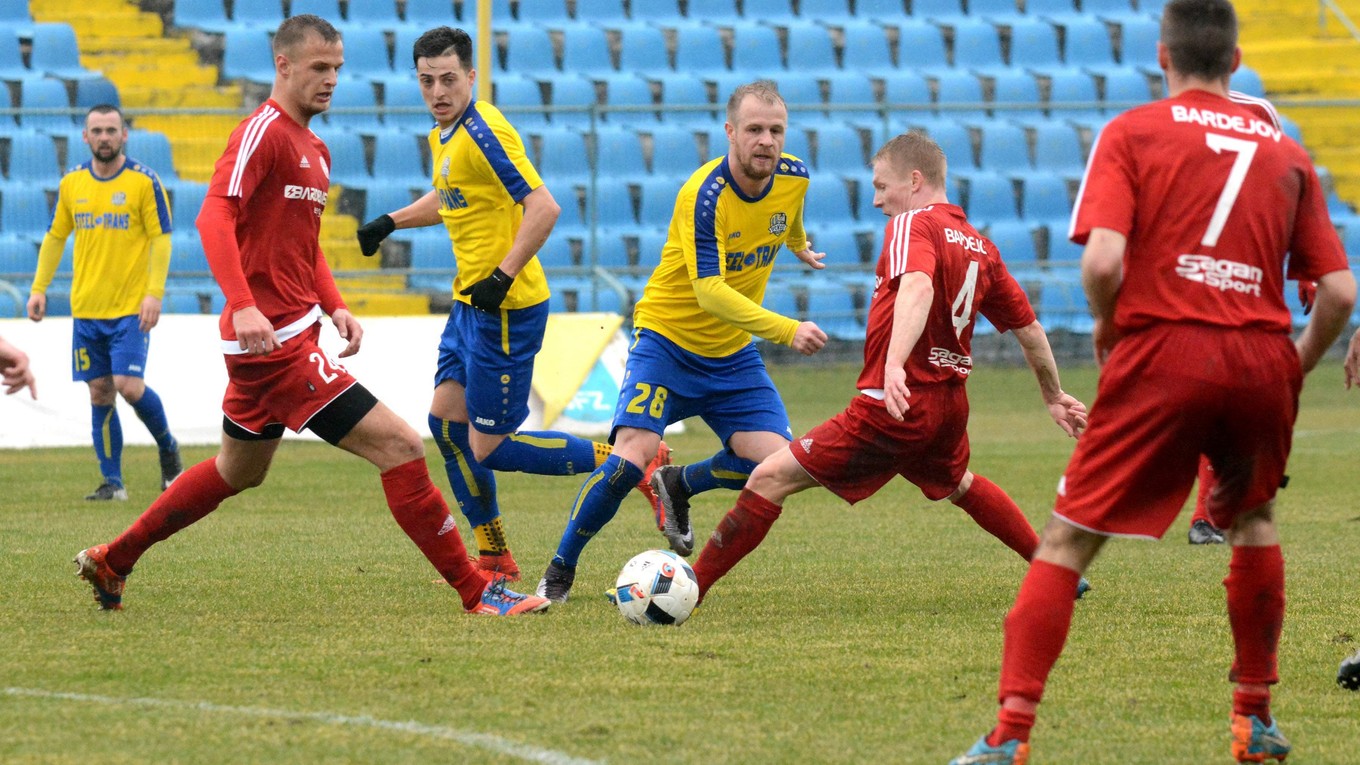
x,y
963,303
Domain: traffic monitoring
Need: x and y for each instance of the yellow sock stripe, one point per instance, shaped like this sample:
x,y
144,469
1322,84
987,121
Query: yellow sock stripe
x,y
106,434
542,443
463,466
728,475
505,331
585,489
602,452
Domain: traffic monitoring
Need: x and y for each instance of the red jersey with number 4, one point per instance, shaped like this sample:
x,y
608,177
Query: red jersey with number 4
x,y
279,174
968,277
1211,196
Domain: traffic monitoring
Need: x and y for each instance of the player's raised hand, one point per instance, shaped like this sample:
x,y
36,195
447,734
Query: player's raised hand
x,y
1069,413
150,314
37,306
349,330
811,257
372,233
254,332
896,392
1352,364
808,338
489,293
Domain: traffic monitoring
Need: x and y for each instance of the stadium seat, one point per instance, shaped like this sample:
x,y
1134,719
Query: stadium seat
x,y
1114,10
991,198
521,99
834,13
796,143
585,50
1073,92
366,54
24,210
246,54
610,206
12,65
960,90
846,88
348,165
95,91
1013,87
781,297
683,90
715,137
404,109
1125,88
39,94
180,300
545,13
756,49
383,198
186,251
619,153
662,13
373,14
208,15
1086,43
1003,148
1015,240
997,11
774,12
1062,304
1060,248
628,90
839,149
810,48
54,52
827,200
699,50
326,9
832,306
674,151
887,12
262,14
32,159
1138,38
502,16
711,10
909,89
397,157
599,12
18,261
977,45
529,52
1034,43
642,49
186,199
1057,148
920,45
1045,198
867,50
953,138
349,96
801,93
1246,80
555,253
432,262
941,10
563,160
1049,8
657,197
152,149
574,101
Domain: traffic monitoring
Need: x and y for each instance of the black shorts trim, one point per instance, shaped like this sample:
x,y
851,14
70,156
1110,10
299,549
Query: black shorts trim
x,y
272,432
335,420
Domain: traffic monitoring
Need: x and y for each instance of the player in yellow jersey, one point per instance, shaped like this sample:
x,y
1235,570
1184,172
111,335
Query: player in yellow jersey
x,y
692,353
498,214
121,219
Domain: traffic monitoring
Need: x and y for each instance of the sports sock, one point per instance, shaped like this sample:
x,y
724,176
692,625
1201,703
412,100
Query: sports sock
x,y
544,452
1011,723
602,452
1206,485
474,486
491,538
1253,702
1255,585
723,470
596,504
739,532
421,512
193,495
991,508
152,414
107,433
1036,629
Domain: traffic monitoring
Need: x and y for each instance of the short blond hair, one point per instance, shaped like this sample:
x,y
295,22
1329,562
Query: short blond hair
x,y
915,151
766,90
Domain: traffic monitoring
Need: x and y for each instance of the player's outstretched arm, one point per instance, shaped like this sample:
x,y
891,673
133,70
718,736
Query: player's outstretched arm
x,y
1353,361
1331,312
716,296
15,373
1065,409
420,213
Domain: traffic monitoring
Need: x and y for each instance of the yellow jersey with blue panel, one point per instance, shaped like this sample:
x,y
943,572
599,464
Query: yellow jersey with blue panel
x,y
481,174
717,260
116,220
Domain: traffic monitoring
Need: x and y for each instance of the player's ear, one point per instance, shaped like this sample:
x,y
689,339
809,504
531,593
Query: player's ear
x,y
1237,59
1163,57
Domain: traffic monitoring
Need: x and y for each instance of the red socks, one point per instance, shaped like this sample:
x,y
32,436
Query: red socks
x,y
1036,629
421,512
998,515
1255,586
193,495
1011,724
1206,485
740,531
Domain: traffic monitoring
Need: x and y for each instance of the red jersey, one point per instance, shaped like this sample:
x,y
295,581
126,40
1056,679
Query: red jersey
x,y
1213,250
277,173
968,277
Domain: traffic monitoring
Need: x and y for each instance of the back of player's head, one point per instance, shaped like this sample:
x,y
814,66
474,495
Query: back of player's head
x,y
442,41
295,28
915,151
765,90
104,109
1200,37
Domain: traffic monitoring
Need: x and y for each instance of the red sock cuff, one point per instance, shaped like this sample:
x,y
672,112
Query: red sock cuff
x,y
758,506
980,492
1259,558
408,478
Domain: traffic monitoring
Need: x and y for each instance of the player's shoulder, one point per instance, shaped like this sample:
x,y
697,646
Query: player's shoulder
x,y
77,171
791,166
1258,106
708,175
137,167
485,113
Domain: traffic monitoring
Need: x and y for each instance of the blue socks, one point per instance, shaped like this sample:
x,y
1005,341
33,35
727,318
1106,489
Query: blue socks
x,y
152,414
474,486
107,434
543,453
595,506
723,470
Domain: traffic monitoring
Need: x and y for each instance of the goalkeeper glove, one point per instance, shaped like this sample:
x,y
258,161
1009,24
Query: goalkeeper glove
x,y
373,232
488,293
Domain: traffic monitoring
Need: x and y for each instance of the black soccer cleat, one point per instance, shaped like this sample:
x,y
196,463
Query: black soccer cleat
x,y
1348,675
556,582
171,466
669,485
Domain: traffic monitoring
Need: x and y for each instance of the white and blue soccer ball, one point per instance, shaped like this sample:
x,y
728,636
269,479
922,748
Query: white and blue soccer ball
x,y
656,587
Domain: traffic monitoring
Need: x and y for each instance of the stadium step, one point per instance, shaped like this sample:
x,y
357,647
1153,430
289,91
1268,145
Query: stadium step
x,y
366,304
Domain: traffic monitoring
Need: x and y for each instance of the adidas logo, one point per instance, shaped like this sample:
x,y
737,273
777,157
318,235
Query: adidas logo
x,y
448,526
304,164
806,443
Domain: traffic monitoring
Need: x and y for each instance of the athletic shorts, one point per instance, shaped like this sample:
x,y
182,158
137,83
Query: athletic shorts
x,y
1168,394
856,452
287,387
663,383
103,347
498,349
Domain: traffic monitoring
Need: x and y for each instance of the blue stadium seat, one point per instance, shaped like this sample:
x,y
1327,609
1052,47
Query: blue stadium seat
x,y
852,88
1138,38
383,198
600,12
662,13
953,138
1049,8
643,49
572,92
180,300
54,52
501,14
674,151
613,205
756,49
827,200
888,12
352,95
839,149
186,199
1003,148
796,143
432,258
1001,11
585,51
18,261
810,48
684,90
94,91
1013,86
529,52
699,50
867,50
716,138
1125,87
152,149
547,13
186,251
348,165
1033,43
1246,80
43,93
326,9
246,54
1114,10
563,159
263,14
1045,198
781,296
1062,304
1057,148
1060,249
657,200
1086,43
25,210
375,14
12,65
405,109
837,241
366,54
513,91
208,15
991,198
650,244
1015,240
632,91
920,45
832,306
942,10
908,88
619,154
962,90
1074,88
555,253
977,44
32,159
711,10
797,89
397,157
834,13
775,12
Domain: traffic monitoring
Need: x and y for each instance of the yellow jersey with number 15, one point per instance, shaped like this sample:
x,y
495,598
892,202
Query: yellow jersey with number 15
x,y
481,174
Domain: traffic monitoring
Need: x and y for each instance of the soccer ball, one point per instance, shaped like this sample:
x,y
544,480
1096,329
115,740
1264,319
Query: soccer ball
x,y
656,587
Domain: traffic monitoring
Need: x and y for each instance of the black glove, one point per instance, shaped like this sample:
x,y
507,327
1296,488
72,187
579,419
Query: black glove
x,y
373,232
488,293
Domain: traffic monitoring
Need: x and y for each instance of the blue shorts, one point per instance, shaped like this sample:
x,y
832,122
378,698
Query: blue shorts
x,y
103,347
499,349
663,383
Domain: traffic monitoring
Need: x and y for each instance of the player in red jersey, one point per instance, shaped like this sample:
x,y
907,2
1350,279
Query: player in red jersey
x,y
934,275
259,225
1187,210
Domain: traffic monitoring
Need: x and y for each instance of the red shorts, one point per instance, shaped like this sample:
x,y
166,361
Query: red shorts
x,y
1167,395
856,452
286,387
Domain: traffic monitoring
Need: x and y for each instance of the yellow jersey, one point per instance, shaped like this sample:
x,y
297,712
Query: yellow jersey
x,y
716,230
481,174
114,219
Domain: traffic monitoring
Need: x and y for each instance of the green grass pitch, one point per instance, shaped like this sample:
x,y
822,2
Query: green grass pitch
x,y
298,625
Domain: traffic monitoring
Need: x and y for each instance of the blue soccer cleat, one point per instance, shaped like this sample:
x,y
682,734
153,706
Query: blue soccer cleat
x,y
1083,587
498,601
1254,741
1013,752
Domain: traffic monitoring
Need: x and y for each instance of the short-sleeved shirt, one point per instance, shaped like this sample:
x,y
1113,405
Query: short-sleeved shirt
x,y
1211,195
968,277
481,175
114,220
717,230
279,173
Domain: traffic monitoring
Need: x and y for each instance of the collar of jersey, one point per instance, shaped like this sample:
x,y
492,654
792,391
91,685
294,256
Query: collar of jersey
x,y
89,165
732,184
443,139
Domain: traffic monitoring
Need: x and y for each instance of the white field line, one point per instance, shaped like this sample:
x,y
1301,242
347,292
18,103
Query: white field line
x,y
469,738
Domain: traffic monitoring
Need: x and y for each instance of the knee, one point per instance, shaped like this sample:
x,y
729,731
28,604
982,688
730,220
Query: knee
x,y
406,445
131,389
102,392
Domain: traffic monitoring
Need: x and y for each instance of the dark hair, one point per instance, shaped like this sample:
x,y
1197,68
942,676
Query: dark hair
x,y
441,41
765,90
294,29
915,151
1200,36
105,109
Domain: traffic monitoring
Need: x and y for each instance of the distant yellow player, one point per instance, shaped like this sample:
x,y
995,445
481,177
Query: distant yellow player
x,y
121,219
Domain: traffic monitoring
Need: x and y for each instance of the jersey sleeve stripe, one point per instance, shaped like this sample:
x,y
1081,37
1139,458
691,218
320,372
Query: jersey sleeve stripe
x,y
1261,104
485,139
706,197
162,206
250,140
900,244
1081,190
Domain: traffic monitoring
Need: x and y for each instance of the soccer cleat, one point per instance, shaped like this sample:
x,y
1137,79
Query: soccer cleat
x,y
498,601
171,466
1203,533
108,491
556,582
1348,675
93,568
1083,587
669,485
1254,741
1013,752
502,566
663,457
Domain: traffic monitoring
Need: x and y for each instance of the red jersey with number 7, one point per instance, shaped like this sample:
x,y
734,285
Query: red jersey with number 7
x,y
968,276
1211,196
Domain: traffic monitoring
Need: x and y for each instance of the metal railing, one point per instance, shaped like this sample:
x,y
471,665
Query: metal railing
x,y
1330,6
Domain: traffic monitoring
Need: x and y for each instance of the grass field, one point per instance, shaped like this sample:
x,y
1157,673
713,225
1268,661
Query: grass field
x,y
298,625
